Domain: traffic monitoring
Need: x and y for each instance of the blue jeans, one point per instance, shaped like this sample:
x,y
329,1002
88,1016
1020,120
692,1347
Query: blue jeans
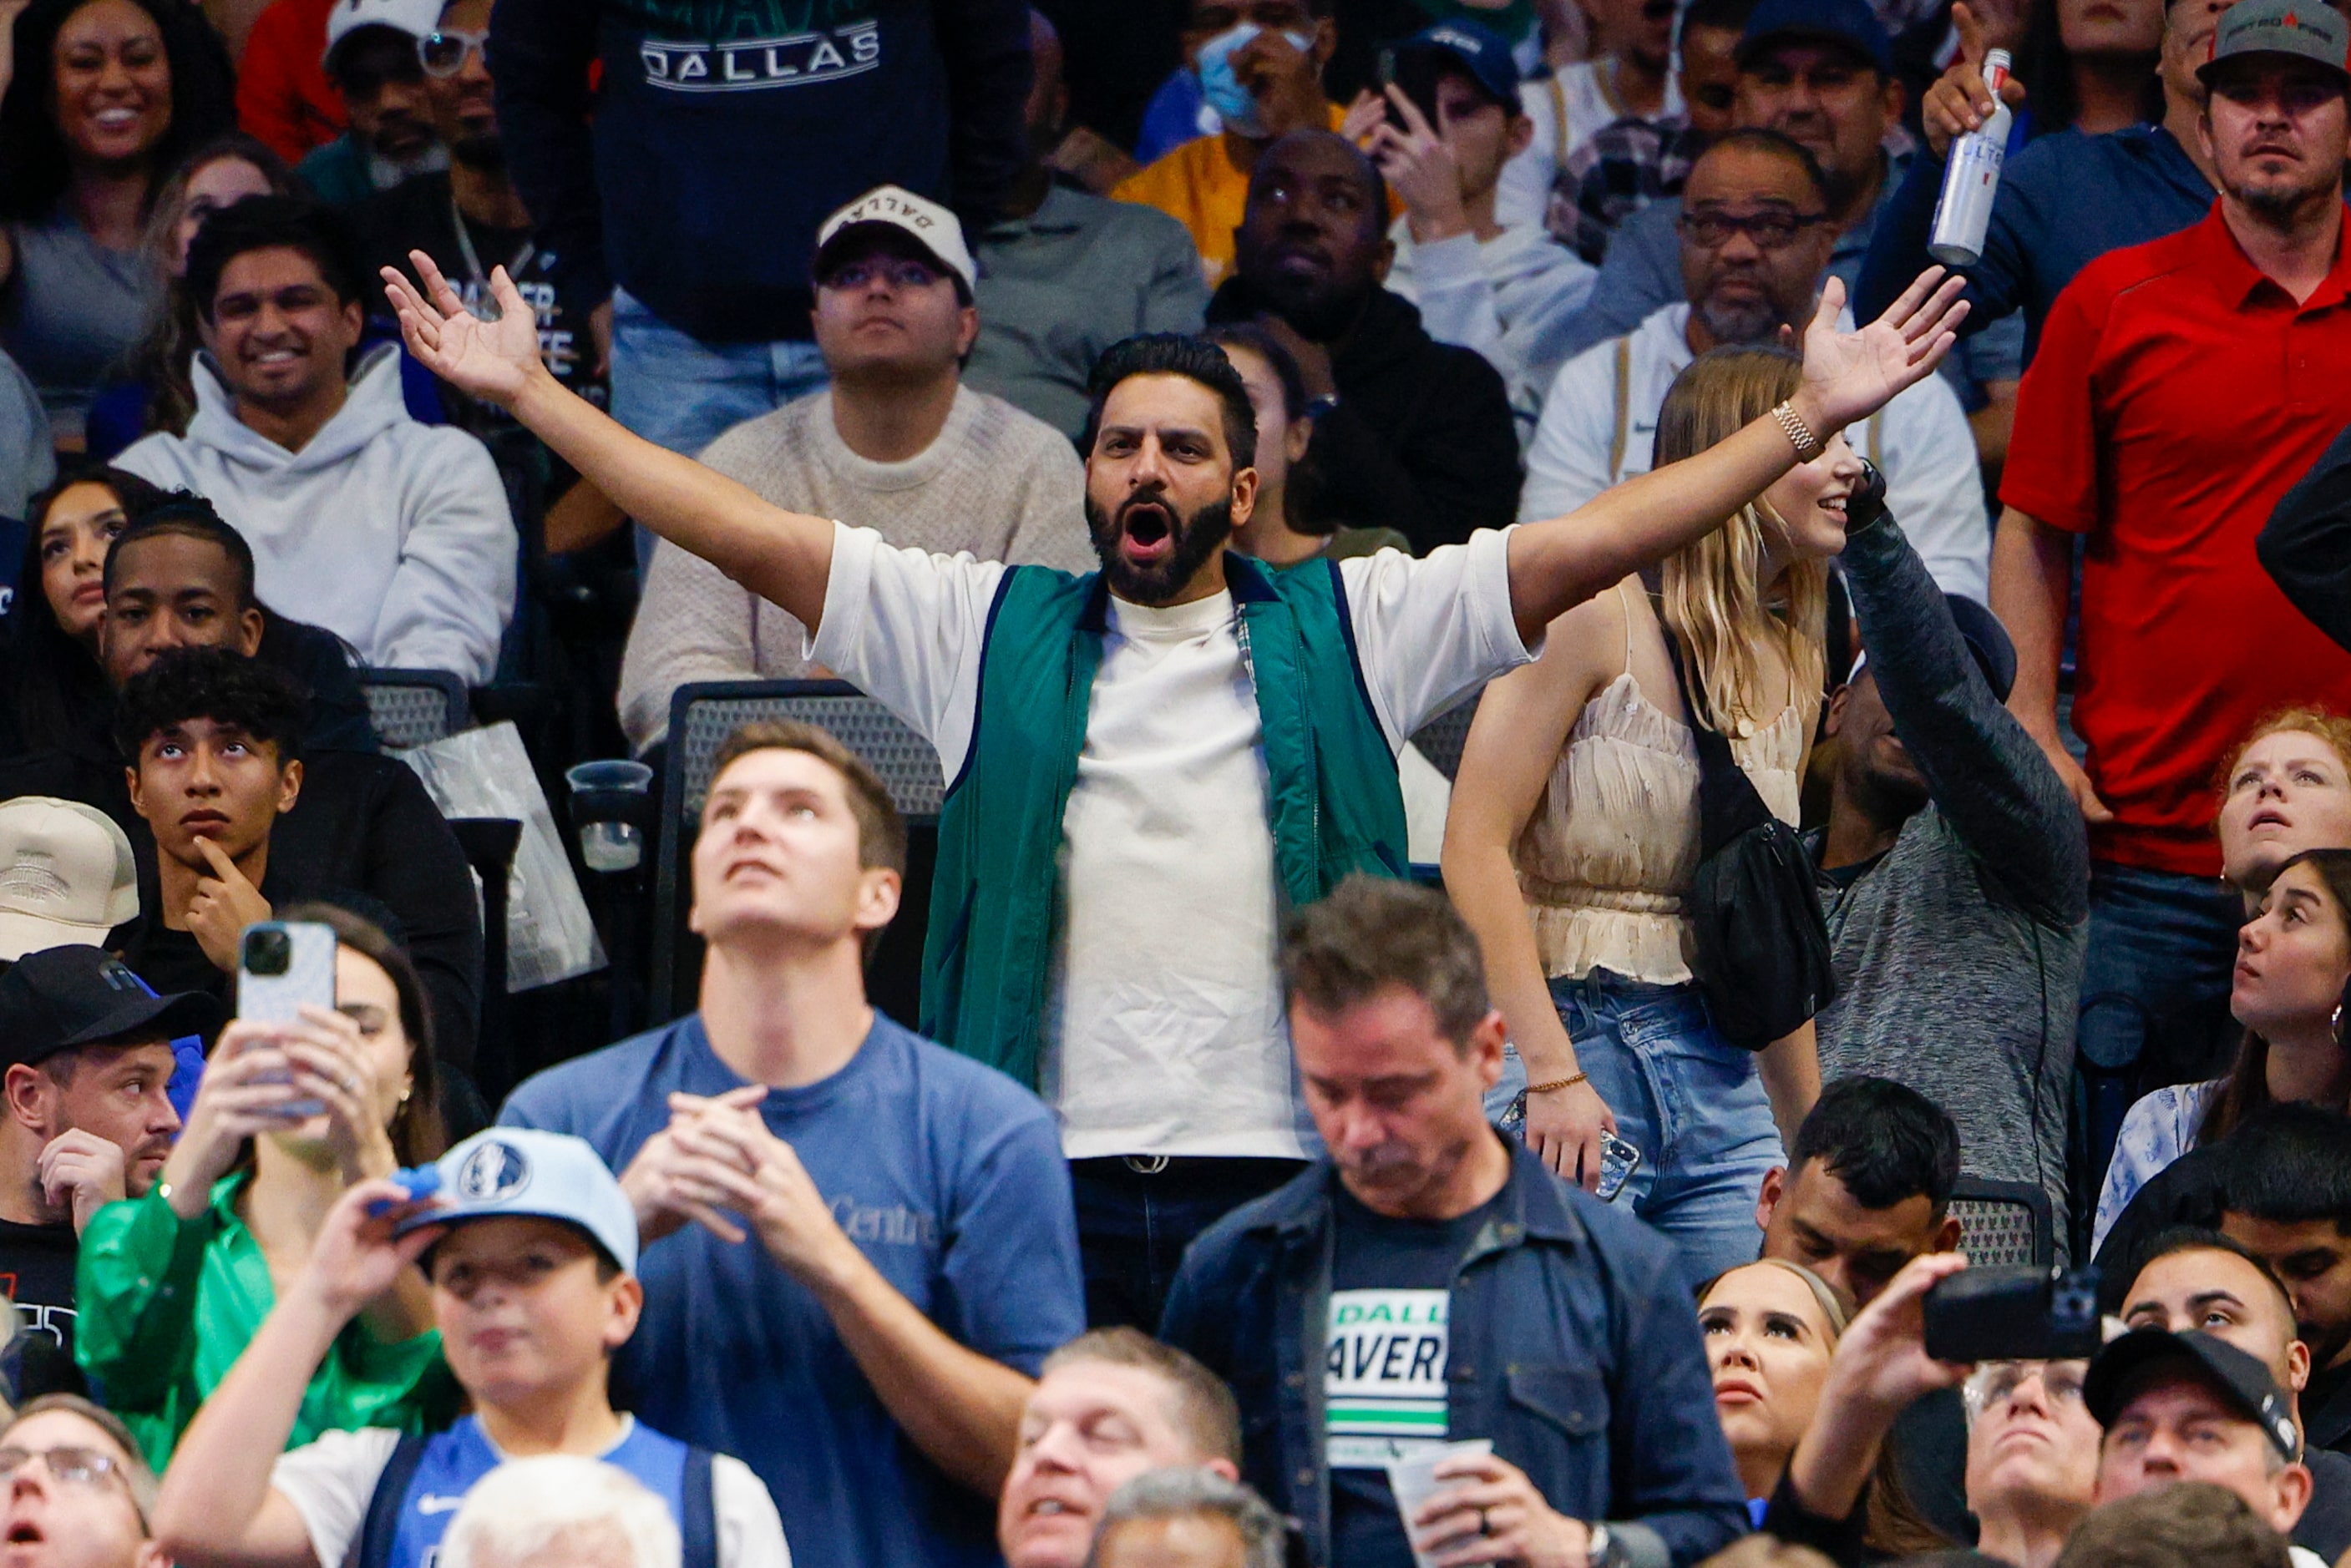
x,y
1136,1216
2155,996
677,391
1690,1100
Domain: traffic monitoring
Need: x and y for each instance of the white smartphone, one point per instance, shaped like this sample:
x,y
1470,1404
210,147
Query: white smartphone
x,y
282,967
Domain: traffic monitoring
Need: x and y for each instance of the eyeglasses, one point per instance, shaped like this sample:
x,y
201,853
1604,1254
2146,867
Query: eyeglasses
x,y
443,51
1996,1382
1769,229
899,272
73,1466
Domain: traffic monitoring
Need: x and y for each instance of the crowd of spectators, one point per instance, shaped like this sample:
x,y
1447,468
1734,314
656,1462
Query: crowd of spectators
x,y
1454,558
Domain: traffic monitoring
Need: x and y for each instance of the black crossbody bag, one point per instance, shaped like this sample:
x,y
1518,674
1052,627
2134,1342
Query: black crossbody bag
x,y
1761,947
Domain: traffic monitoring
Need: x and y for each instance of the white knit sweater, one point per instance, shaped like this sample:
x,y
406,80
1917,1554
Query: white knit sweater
x,y
995,483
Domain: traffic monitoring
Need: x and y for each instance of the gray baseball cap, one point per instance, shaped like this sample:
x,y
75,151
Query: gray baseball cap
x,y
2306,29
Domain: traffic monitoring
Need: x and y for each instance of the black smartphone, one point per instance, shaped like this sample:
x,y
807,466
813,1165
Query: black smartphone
x,y
2025,1314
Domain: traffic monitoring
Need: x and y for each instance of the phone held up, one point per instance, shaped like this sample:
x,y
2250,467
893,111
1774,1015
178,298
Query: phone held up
x,y
283,966
2025,1314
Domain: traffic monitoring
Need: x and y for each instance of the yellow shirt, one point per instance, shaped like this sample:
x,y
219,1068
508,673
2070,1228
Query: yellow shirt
x,y
1200,186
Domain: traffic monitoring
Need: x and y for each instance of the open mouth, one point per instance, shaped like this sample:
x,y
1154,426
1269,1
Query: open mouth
x,y
1146,532
2268,816
1053,1508
24,1532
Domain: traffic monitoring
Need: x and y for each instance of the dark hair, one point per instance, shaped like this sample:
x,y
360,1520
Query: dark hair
x,y
2177,1239
370,55
1173,354
1303,500
1775,144
275,222
1372,932
2189,1524
1207,1412
1885,1142
1729,16
2246,1089
55,682
880,828
192,517
418,1135
162,362
215,683
2289,1164
35,168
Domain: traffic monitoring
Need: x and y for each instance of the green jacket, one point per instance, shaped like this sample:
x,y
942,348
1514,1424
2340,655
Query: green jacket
x,y
995,899
166,1306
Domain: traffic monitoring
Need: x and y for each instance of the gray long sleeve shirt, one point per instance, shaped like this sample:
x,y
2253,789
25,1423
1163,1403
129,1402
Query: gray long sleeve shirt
x,y
1959,951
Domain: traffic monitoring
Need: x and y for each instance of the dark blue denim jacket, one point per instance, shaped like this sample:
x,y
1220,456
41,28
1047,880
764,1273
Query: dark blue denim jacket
x,y
1574,1346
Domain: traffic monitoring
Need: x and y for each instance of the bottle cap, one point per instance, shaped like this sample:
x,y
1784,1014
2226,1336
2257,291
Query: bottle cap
x,y
1995,69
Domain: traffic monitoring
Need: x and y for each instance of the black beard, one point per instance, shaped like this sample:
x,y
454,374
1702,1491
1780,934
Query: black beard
x,y
486,154
1197,537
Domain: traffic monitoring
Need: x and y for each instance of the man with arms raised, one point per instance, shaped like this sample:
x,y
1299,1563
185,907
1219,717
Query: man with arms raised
x,y
1136,800
865,1338
1109,1405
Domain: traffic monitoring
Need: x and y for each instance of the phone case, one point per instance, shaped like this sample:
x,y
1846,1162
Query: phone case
x,y
308,980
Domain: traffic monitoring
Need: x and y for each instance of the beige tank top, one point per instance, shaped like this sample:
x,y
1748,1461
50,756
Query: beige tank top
x,y
1605,861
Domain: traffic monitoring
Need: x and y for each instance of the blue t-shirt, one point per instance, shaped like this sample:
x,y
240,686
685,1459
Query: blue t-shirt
x,y
947,1175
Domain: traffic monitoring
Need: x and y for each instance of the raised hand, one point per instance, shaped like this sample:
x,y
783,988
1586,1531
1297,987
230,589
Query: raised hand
x,y
357,1256
224,903
1849,376
1422,170
79,1170
1958,101
246,1087
491,360
682,1173
332,1067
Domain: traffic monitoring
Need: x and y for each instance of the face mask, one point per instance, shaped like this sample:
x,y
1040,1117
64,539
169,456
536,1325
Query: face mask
x,y
1235,104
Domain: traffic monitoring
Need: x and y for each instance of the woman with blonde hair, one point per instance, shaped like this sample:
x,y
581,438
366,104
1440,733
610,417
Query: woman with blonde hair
x,y
1573,834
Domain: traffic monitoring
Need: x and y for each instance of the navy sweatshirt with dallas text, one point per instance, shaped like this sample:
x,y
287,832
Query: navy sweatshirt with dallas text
x,y
724,131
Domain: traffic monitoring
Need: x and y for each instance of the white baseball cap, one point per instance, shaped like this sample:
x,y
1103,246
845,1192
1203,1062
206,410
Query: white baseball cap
x,y
933,227
67,877
413,17
543,1175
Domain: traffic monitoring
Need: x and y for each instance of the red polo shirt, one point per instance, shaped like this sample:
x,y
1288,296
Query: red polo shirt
x,y
2178,393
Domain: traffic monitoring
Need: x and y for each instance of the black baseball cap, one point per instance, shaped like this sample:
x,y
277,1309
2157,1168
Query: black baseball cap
x,y
1852,22
62,999
2243,1381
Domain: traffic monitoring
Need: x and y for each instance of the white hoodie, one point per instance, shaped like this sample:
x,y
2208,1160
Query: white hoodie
x,y
392,534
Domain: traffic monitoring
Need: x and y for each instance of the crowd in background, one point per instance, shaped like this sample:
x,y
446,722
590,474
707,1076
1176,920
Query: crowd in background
x,y
1580,769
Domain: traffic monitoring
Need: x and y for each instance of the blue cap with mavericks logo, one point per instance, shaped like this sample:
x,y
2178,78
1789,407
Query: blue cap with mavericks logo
x,y
522,1173
2306,29
1478,53
1849,22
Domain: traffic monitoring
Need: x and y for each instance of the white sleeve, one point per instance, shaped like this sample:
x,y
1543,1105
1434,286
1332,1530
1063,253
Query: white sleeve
x,y
1567,463
2150,1139
751,1535
1933,485
452,594
1428,630
330,1483
1522,196
906,627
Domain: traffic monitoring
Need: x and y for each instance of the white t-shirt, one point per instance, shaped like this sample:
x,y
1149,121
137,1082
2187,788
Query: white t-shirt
x,y
1933,486
1165,1032
330,1483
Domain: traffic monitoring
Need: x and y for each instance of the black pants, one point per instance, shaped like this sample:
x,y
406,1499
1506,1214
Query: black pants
x,y
1137,1213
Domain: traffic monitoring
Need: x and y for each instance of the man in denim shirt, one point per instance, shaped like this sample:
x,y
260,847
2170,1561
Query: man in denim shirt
x,y
1577,1358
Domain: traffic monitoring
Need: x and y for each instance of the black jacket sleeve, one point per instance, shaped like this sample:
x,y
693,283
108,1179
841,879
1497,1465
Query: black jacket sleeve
x,y
1838,1540
985,43
1985,775
2306,545
544,48
410,861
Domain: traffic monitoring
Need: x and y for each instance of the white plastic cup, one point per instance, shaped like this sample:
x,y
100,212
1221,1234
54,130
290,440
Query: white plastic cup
x,y
1413,1481
610,846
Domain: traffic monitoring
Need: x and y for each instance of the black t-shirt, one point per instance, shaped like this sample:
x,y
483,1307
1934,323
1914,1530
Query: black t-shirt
x,y
175,961
420,215
36,1272
1384,1361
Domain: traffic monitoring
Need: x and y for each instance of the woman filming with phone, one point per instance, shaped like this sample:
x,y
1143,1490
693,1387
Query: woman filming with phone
x,y
291,1112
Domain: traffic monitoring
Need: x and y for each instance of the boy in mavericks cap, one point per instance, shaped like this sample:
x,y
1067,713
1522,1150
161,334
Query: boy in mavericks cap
x,y
85,1060
532,1249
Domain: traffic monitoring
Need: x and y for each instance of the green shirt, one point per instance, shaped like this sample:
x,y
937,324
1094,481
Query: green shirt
x,y
167,1305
